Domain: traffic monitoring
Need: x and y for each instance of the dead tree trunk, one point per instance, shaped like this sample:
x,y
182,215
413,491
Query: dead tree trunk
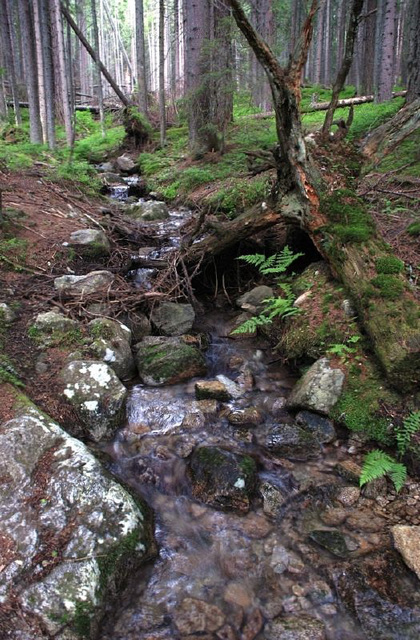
x,y
352,257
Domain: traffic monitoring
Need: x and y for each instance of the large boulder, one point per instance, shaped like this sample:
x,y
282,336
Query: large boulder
x,y
407,542
97,395
168,360
149,211
253,301
172,319
291,441
319,389
69,533
126,164
51,322
90,242
222,479
111,343
92,282
320,427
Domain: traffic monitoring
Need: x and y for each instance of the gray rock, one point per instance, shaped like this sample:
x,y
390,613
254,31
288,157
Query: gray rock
x,y
92,282
109,329
253,301
117,354
407,542
105,167
90,242
168,361
149,211
233,389
222,479
126,164
331,540
109,179
291,441
197,616
273,498
321,428
97,395
172,319
211,390
51,321
61,517
138,323
290,628
319,389
7,315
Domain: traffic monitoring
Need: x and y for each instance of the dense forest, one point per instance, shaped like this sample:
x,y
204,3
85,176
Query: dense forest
x,y
209,319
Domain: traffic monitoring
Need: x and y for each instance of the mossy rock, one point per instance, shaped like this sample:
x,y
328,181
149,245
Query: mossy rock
x,y
161,360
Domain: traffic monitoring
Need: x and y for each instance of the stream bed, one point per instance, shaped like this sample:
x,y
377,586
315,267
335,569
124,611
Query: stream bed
x,y
308,557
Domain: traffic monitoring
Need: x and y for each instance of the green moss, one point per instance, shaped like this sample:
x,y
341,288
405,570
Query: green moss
x,y
350,220
247,466
389,265
110,565
390,287
83,618
414,229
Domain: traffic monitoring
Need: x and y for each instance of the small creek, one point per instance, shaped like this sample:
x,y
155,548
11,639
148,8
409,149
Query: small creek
x,y
245,569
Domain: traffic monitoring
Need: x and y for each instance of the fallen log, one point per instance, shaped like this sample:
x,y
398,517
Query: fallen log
x,y
78,107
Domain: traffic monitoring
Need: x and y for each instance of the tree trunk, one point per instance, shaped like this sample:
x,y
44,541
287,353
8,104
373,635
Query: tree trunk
x,y
98,78
7,50
386,58
413,62
356,10
162,109
40,69
61,68
369,28
141,57
92,54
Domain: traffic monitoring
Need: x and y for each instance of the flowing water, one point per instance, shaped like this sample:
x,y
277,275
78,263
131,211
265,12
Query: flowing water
x,y
218,574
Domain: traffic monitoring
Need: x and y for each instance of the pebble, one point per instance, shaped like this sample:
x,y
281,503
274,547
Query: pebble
x,y
348,496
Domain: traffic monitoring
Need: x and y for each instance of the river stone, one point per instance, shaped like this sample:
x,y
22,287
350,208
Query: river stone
x,y
222,479
163,360
126,164
253,301
97,395
289,628
109,330
322,428
90,242
67,529
51,321
138,323
92,282
319,389
211,390
379,592
7,315
407,542
172,319
197,616
291,441
233,389
117,354
250,416
149,211
273,498
108,178
104,167
332,541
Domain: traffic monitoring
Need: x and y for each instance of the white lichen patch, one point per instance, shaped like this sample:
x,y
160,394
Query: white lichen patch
x,y
109,355
100,373
119,499
91,405
240,483
69,393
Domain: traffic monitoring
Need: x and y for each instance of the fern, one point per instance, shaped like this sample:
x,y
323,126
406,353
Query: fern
x,y
377,464
404,433
277,263
282,307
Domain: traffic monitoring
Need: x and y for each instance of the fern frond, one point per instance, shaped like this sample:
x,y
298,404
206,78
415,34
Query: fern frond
x,y
404,433
279,262
250,325
255,259
377,464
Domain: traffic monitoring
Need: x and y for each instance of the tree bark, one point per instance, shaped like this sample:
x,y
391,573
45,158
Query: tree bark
x,y
92,54
162,108
141,57
356,10
99,91
7,50
386,58
413,62
61,68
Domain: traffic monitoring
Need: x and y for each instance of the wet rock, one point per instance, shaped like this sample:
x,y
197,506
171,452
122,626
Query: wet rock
x,y
250,416
105,167
237,593
126,164
291,628
348,496
222,479
379,591
108,178
319,389
349,470
284,560
226,633
253,301
291,441
195,616
365,521
233,389
332,541
90,242
211,390
109,330
66,519
97,395
273,498
172,319
117,354
138,323
333,517
407,542
253,625
168,361
149,211
51,322
7,315
320,593
236,323
322,428
93,282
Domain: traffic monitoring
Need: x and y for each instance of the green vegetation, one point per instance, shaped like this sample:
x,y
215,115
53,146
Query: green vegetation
x,y
404,157
389,265
66,338
13,252
350,220
405,432
414,229
389,286
377,464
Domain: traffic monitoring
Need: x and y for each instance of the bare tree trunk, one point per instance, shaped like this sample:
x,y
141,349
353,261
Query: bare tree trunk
x,y
29,59
386,59
141,57
413,63
356,10
7,49
61,68
369,29
40,69
116,31
97,67
48,73
162,110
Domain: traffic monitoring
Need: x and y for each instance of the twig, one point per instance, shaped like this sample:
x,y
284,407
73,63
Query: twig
x,y
20,267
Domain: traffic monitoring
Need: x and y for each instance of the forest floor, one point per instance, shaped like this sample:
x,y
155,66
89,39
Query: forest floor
x,y
40,215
